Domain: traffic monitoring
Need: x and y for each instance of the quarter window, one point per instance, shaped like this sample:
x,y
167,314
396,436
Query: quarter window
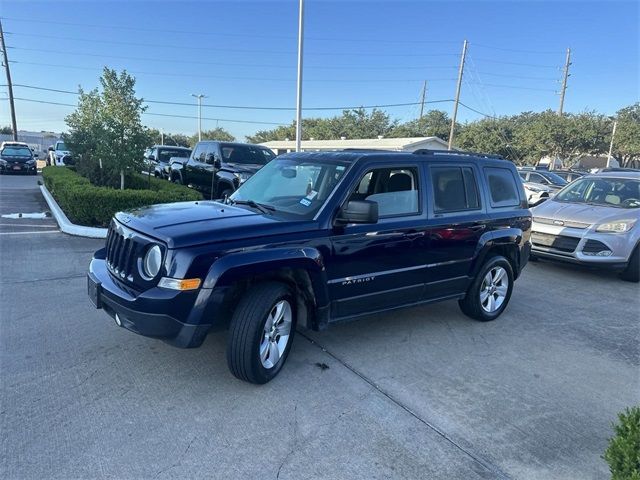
x,y
502,187
454,189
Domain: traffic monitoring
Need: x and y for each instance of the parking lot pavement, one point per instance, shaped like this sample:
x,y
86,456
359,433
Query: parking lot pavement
x,y
419,393
22,208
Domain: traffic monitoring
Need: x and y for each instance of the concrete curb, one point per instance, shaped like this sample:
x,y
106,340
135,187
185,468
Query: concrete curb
x,y
63,222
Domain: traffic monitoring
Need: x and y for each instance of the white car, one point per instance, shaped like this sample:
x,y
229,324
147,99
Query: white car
x,y
536,193
57,152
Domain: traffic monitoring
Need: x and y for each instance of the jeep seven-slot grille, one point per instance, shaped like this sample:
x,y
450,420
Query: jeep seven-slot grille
x,y
557,242
122,253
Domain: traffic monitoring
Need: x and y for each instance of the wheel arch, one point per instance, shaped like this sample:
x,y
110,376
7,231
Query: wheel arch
x,y
506,243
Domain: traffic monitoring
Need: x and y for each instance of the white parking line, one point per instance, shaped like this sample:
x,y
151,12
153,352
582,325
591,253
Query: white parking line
x,y
29,233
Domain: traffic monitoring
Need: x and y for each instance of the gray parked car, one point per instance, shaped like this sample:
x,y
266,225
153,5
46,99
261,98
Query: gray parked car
x,y
595,221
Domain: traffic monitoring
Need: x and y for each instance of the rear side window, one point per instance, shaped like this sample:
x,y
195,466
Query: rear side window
x,y
454,189
502,187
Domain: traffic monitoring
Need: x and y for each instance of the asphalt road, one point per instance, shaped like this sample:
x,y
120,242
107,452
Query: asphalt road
x,y
421,393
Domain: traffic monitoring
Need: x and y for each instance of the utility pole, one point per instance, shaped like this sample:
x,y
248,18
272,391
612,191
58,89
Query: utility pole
x,y
613,134
9,86
162,136
455,105
199,97
424,96
299,84
564,81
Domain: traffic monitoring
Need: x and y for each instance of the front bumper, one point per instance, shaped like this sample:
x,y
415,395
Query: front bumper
x,y
18,168
581,246
172,316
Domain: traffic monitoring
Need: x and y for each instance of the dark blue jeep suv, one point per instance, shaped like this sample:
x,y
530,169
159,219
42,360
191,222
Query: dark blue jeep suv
x,y
312,239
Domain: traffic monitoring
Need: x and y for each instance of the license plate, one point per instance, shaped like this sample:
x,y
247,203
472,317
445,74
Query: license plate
x,y
93,289
17,167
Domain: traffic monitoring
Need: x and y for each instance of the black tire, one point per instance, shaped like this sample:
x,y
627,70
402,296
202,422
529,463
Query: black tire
x,y
176,179
632,272
533,258
247,330
225,193
471,304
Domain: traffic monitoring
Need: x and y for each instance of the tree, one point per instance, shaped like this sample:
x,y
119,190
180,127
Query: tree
x,y
106,129
173,139
217,133
626,144
435,123
6,130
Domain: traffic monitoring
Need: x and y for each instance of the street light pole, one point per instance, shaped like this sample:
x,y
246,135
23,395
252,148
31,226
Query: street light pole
x,y
199,97
613,134
299,84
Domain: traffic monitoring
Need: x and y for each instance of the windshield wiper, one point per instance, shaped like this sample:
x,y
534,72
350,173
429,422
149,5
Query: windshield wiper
x,y
258,206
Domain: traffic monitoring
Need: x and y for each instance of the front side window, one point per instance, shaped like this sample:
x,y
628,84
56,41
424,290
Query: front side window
x,y
502,187
200,152
454,189
296,188
395,190
537,178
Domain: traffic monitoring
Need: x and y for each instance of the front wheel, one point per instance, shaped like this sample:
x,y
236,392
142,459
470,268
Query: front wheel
x,y
490,292
261,332
176,179
632,272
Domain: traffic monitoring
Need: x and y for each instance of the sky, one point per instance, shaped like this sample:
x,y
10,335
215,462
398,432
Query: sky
x,y
243,53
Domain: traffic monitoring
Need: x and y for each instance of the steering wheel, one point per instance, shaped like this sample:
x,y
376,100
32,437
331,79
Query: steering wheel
x,y
630,202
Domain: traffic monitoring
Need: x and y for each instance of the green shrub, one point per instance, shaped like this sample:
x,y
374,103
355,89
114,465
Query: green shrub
x,y
87,204
623,452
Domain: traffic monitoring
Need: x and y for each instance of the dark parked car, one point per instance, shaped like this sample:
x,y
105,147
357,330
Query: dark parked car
x,y
17,159
312,239
217,169
158,159
543,177
569,175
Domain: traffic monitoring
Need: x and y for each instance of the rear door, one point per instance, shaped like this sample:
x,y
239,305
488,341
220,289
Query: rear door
x,y
457,220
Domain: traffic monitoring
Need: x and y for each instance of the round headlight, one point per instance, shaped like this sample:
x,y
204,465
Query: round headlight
x,y
152,261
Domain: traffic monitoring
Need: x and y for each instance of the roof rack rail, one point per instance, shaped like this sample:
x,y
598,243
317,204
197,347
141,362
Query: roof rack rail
x,y
365,150
426,151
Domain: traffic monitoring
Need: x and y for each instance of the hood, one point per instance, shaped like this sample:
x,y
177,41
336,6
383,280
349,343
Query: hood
x,y
186,224
582,213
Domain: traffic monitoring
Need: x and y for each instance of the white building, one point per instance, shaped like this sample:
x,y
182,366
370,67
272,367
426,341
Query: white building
x,y
397,144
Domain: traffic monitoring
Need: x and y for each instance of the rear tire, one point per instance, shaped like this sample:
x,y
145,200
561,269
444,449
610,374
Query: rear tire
x,y
490,291
176,179
261,333
632,272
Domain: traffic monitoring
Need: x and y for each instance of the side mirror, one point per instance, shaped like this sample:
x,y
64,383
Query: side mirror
x,y
50,149
217,164
358,211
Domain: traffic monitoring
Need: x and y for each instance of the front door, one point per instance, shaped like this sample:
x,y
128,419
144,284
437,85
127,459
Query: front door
x,y
380,266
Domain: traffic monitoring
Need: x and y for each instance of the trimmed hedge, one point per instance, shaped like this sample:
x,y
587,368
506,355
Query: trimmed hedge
x,y
87,204
623,452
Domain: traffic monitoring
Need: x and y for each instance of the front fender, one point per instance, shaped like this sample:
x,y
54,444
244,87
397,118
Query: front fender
x,y
229,268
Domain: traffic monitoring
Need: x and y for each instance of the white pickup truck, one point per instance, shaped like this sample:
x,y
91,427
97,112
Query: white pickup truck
x,y
57,153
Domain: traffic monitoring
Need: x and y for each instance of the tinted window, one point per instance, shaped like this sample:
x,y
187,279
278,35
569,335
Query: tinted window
x,y
502,187
165,155
454,189
395,190
200,152
245,154
537,178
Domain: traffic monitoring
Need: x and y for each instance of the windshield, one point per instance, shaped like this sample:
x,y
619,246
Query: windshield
x,y
610,192
166,155
292,186
245,154
554,178
61,146
16,151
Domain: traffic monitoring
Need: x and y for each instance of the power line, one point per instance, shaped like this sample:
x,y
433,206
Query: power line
x,y
489,60
222,64
191,47
477,111
246,107
227,34
516,87
32,100
255,79
541,52
523,77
